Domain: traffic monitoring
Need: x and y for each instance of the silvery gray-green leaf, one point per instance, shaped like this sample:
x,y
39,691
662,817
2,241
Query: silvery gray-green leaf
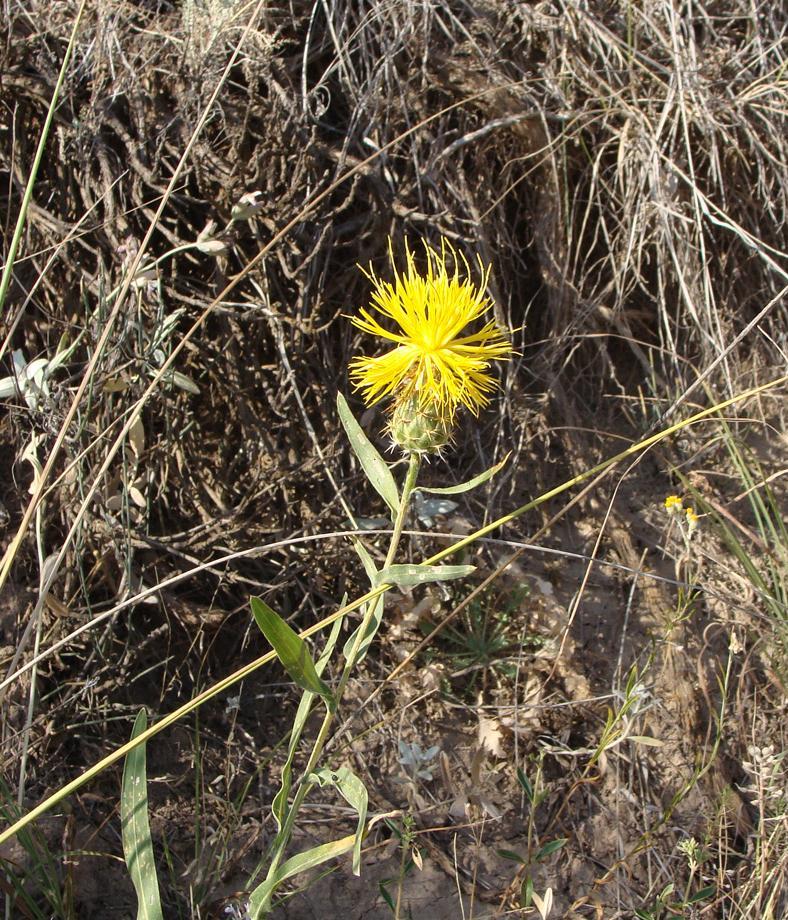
x,y
371,631
427,508
135,829
470,484
366,560
409,575
355,794
375,467
293,866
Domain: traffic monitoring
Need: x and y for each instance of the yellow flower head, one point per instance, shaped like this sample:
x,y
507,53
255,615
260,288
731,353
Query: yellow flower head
x,y
435,357
692,520
673,504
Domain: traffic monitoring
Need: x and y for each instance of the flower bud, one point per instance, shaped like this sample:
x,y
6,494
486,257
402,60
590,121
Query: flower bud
x,y
422,427
248,205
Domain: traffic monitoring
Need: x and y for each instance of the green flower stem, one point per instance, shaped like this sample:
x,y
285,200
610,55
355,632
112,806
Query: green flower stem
x,y
283,837
407,490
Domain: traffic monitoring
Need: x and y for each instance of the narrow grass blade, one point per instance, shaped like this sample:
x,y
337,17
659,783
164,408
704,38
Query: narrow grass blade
x,y
702,894
470,484
372,463
354,793
409,575
137,846
293,866
40,878
220,686
291,650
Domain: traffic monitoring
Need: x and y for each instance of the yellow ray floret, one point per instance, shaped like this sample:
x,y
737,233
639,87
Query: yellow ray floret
x,y
435,355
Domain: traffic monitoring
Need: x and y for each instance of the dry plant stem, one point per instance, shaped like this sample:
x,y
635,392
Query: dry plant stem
x,y
53,257
13,547
761,315
372,607
289,542
700,771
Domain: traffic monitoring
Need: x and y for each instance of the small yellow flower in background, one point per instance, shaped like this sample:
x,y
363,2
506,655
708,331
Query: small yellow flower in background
x,y
436,360
673,504
692,521
688,519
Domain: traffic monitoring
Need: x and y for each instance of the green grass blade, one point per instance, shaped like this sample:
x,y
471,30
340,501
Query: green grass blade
x,y
38,877
5,278
137,846
220,686
375,467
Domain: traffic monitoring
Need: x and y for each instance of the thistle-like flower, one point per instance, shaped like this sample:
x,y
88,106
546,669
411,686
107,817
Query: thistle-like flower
x,y
437,364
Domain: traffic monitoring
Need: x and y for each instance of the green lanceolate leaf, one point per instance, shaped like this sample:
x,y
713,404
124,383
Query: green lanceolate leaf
x,y
526,784
372,463
291,650
137,846
549,848
702,894
386,896
299,863
511,855
279,804
470,484
354,793
366,561
409,575
526,892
